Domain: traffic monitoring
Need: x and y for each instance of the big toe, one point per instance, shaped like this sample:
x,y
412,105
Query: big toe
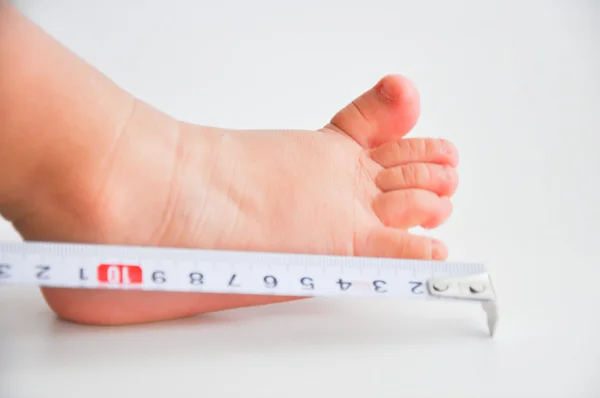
x,y
386,112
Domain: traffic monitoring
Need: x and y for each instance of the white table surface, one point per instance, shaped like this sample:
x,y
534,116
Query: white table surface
x,y
515,85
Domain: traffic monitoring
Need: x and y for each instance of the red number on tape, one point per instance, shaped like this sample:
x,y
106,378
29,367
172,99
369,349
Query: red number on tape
x,y
117,274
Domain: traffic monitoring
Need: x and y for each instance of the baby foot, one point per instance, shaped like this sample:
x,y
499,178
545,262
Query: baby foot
x,y
352,188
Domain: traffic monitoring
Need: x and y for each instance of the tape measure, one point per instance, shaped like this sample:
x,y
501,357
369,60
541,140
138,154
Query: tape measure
x,y
95,266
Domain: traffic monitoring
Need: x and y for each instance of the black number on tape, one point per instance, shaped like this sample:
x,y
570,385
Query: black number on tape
x,y
82,276
4,271
270,281
196,278
307,283
42,272
159,277
231,281
344,285
379,286
416,285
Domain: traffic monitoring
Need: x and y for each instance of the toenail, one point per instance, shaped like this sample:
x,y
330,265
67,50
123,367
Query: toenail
x,y
437,250
389,91
446,146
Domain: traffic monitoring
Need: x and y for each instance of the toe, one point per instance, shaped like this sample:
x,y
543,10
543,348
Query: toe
x,y
442,180
409,150
408,208
393,243
386,112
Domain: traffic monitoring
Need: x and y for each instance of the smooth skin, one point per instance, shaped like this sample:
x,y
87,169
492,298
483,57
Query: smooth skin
x,y
82,160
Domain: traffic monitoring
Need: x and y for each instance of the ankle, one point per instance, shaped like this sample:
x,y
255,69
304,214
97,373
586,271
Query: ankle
x,y
55,110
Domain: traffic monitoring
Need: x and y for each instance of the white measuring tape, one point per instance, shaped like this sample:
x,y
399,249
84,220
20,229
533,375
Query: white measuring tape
x,y
95,266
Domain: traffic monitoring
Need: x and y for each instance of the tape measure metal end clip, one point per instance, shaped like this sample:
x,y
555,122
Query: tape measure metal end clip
x,y
473,287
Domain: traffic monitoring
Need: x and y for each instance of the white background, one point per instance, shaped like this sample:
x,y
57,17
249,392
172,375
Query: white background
x,y
515,85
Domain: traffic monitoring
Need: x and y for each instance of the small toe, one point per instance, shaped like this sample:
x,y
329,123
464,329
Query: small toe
x,y
394,243
408,208
410,150
384,113
442,180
